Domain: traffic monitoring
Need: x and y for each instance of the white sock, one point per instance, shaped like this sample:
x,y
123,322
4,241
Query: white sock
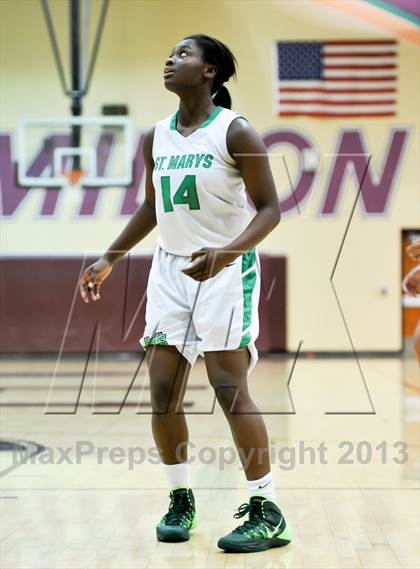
x,y
263,487
178,475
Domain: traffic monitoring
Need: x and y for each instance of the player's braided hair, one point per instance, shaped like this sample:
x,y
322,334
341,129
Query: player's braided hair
x,y
218,54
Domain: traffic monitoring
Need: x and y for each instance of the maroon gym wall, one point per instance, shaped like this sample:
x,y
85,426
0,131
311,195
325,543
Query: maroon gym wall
x,y
38,294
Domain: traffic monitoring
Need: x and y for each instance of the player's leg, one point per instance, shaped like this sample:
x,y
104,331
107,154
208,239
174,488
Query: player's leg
x,y
169,371
266,526
226,321
227,372
168,324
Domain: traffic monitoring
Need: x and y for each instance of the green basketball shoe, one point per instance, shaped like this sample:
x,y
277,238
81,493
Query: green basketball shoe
x,y
180,518
265,528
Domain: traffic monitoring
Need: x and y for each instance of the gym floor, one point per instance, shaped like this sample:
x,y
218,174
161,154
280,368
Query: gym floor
x,y
345,459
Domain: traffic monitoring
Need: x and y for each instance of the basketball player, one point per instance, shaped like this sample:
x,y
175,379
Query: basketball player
x,y
204,283
411,286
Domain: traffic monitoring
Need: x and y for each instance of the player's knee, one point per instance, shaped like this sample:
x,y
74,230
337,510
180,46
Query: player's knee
x,y
229,395
226,396
162,395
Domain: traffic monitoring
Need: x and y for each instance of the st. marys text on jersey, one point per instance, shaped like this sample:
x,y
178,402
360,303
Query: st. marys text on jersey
x,y
183,161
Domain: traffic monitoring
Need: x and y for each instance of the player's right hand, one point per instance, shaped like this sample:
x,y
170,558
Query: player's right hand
x,y
92,279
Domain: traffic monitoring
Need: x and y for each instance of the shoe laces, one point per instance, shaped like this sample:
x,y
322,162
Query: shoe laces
x,y
256,516
178,508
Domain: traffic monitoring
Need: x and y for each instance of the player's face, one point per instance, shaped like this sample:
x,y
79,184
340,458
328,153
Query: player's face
x,y
185,68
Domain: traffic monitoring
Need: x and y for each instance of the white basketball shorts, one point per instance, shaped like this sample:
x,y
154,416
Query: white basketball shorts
x,y
218,314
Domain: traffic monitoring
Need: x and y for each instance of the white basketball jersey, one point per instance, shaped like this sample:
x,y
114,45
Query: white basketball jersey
x,y
200,194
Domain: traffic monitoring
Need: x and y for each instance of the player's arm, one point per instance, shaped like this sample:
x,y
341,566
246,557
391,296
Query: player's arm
x,y
141,223
247,149
144,218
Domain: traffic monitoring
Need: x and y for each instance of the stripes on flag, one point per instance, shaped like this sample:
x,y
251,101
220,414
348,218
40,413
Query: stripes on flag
x,y
347,78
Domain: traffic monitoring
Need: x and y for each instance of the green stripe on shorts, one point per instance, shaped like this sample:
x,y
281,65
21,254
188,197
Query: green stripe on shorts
x,y
248,284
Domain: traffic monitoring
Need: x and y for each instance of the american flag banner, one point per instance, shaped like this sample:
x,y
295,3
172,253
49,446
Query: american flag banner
x,y
348,78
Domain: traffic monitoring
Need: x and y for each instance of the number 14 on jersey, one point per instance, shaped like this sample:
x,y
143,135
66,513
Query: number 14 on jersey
x,y
186,194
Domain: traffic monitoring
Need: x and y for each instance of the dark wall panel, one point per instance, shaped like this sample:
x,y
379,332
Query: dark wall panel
x,y
41,310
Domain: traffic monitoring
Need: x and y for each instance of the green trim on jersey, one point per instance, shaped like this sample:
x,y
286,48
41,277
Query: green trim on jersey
x,y
208,120
248,285
211,117
173,121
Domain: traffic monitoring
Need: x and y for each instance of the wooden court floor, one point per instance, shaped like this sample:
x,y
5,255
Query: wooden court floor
x,y
83,488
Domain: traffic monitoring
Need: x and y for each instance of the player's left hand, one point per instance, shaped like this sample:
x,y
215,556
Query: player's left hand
x,y
207,262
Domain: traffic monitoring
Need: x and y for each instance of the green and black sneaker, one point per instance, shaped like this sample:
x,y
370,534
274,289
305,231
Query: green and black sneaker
x,y
265,528
180,518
